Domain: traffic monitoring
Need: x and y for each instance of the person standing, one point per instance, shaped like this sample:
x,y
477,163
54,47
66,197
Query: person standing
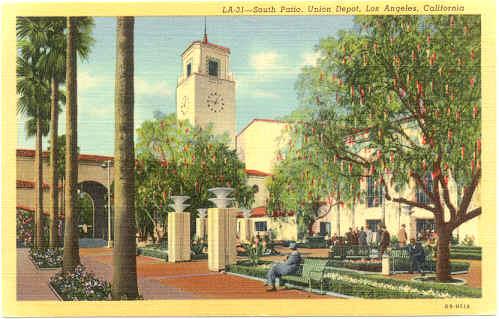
x,y
369,235
362,237
349,236
402,236
378,234
385,240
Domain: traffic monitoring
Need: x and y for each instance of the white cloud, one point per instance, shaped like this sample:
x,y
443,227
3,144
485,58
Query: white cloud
x,y
310,58
265,61
143,87
265,94
87,80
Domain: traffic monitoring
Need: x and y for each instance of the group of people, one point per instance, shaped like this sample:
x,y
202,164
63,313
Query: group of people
x,y
363,237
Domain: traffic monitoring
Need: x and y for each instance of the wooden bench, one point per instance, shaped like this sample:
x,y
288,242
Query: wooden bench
x,y
310,270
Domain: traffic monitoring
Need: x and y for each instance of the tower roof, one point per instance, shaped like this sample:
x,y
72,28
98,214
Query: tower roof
x,y
207,43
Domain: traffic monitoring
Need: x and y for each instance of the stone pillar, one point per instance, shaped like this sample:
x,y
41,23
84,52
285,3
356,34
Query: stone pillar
x,y
201,225
221,238
245,233
385,265
179,237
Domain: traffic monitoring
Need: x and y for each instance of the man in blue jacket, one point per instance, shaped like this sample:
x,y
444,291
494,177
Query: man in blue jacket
x,y
289,267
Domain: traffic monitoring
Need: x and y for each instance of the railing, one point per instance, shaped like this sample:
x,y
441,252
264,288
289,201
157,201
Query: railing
x,y
400,260
354,252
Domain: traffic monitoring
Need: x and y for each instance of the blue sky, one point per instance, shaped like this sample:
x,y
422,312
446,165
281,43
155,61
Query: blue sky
x,y
267,54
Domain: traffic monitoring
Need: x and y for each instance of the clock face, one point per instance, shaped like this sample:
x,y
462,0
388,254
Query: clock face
x,y
215,102
183,105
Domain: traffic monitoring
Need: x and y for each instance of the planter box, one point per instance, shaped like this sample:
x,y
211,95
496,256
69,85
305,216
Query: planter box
x,y
54,291
43,268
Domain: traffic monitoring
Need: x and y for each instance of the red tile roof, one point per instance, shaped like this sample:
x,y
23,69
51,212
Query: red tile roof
x,y
259,120
29,184
82,157
209,44
262,212
255,172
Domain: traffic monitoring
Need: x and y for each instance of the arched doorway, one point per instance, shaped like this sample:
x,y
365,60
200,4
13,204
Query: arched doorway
x,y
98,195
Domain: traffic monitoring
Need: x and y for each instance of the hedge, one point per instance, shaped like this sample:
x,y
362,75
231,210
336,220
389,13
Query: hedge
x,y
163,254
455,290
366,290
456,266
153,252
470,256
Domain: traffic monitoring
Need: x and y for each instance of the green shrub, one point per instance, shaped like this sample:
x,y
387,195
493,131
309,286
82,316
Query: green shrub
x,y
254,252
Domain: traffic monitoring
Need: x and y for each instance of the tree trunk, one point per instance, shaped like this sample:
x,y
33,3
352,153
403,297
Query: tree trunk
x,y
310,228
124,285
54,178
338,220
38,186
443,255
71,250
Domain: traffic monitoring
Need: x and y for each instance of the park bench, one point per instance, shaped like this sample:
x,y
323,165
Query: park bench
x,y
310,270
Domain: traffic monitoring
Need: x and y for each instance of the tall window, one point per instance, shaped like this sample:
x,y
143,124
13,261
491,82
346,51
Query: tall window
x,y
213,68
374,195
189,69
373,224
261,226
324,228
421,196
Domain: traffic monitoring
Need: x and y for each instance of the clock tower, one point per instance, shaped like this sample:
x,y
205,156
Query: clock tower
x,y
206,90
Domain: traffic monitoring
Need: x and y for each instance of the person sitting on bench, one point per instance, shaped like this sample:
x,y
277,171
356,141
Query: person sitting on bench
x,y
289,267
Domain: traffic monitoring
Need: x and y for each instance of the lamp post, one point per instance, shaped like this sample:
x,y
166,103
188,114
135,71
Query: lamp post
x,y
107,164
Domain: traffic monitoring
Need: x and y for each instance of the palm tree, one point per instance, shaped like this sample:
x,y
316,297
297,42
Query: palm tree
x,y
77,27
71,256
53,66
33,102
124,285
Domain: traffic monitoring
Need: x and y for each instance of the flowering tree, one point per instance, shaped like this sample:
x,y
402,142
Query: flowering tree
x,y
174,158
398,100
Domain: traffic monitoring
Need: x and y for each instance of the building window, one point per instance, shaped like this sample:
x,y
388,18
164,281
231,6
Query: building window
x,y
189,69
261,226
324,228
255,188
374,195
213,68
373,224
421,196
423,226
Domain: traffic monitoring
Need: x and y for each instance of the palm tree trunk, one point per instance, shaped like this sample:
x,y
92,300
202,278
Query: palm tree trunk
x,y
38,186
124,285
54,178
71,250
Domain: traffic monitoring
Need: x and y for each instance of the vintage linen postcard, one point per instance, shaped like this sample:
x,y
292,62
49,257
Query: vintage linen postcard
x,y
249,158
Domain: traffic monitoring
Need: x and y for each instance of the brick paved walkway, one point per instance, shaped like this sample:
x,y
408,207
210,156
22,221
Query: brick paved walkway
x,y
189,280
32,284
